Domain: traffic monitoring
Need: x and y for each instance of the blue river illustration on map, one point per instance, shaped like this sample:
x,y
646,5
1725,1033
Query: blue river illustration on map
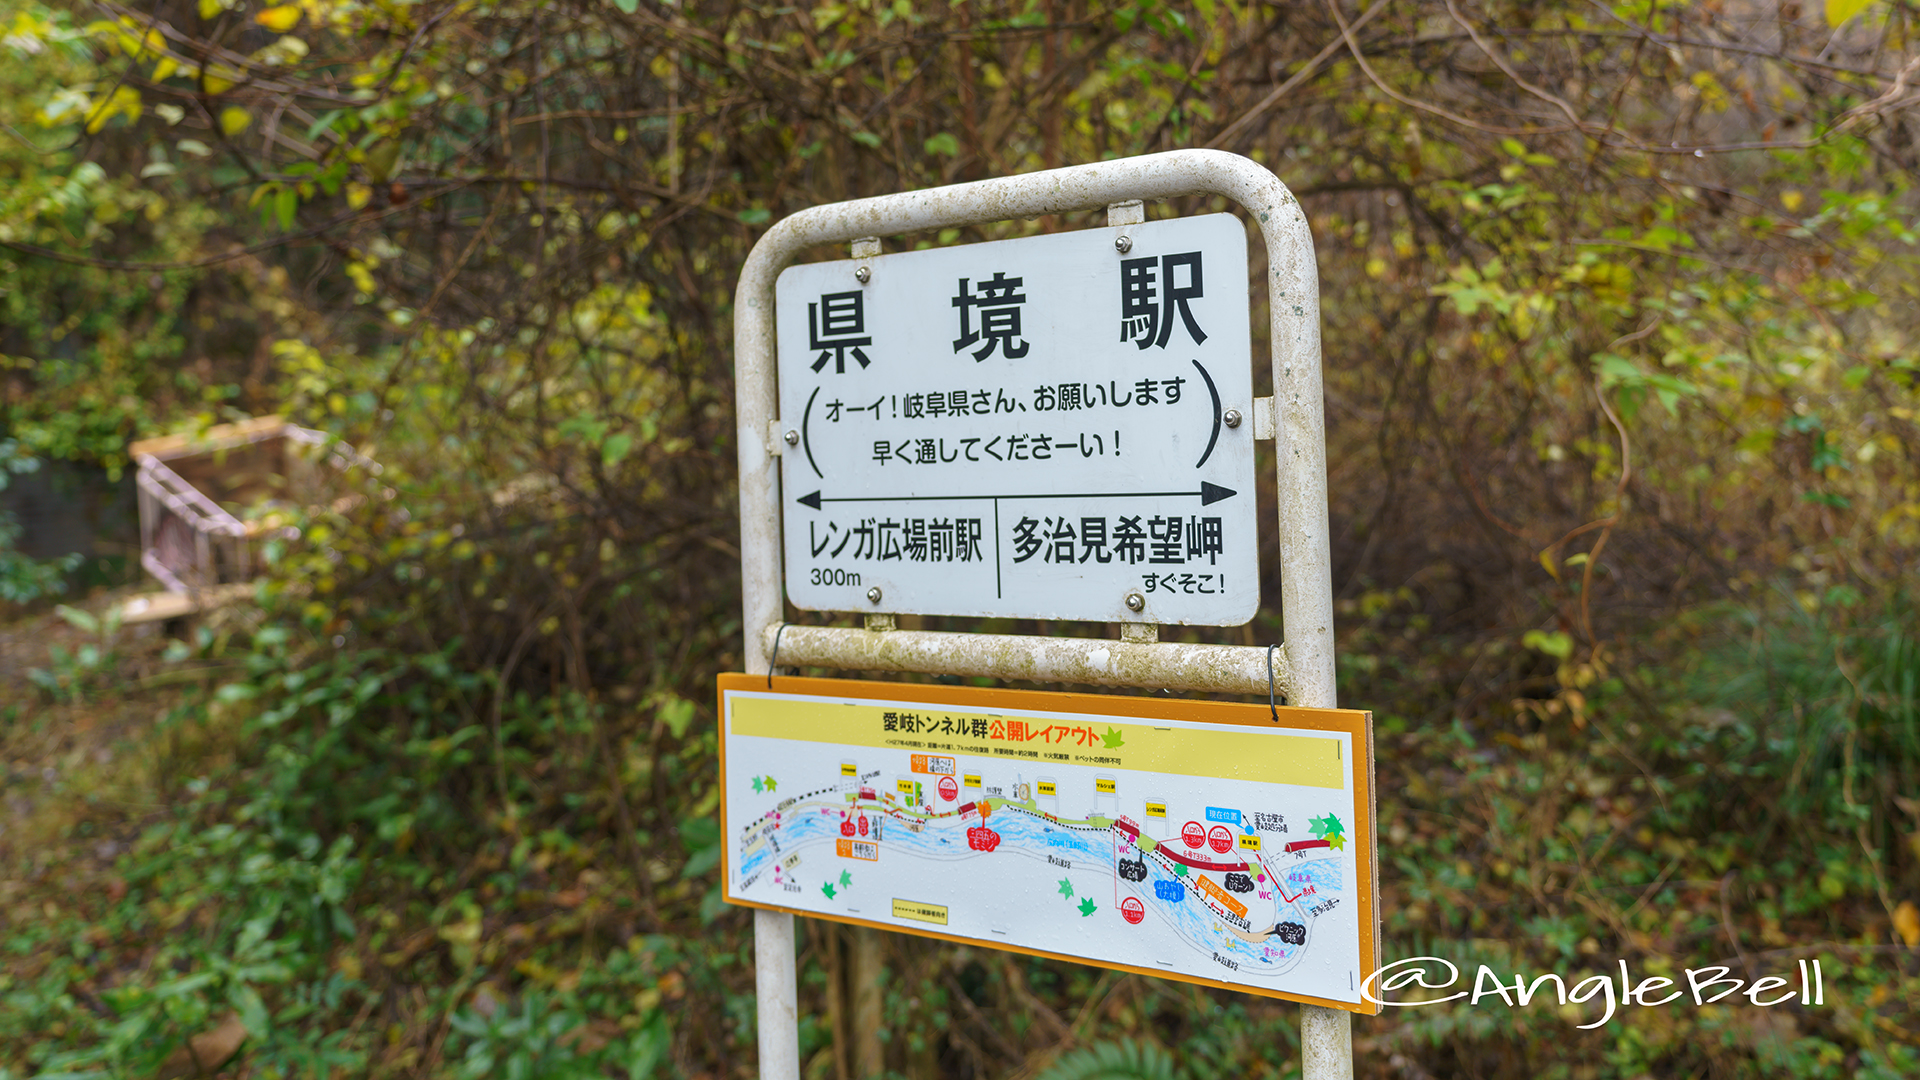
x,y
1271,938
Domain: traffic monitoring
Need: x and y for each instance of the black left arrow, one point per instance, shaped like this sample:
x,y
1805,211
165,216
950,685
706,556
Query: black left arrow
x,y
1208,493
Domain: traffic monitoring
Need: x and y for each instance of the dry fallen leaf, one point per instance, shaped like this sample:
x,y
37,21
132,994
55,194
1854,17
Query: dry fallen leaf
x,y
206,1052
1906,923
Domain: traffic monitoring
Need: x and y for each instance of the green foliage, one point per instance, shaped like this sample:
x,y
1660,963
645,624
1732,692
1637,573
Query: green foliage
x,y
551,311
353,848
1826,717
1122,1060
22,579
113,334
72,672
348,798
1624,818
541,1040
91,664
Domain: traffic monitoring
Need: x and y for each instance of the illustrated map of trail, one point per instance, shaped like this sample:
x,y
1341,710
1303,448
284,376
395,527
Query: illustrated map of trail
x,y
1152,844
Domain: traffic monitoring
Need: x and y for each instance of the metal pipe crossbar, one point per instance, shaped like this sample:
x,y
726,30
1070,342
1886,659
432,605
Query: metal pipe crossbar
x,y
1237,669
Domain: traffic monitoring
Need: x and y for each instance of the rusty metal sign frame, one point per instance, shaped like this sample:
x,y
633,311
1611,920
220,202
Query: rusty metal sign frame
x,y
1302,669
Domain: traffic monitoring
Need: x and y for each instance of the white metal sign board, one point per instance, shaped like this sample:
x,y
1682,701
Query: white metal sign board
x,y
1234,852
1048,427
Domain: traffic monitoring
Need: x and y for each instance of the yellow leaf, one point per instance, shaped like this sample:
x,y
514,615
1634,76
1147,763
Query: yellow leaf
x,y
164,70
125,99
219,80
209,8
234,120
1906,922
357,196
279,19
1839,11
1791,200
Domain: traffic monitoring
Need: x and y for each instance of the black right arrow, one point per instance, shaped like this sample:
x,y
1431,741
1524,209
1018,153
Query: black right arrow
x,y
1213,493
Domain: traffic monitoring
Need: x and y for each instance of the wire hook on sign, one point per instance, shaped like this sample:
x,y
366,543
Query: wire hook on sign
x,y
774,660
1271,706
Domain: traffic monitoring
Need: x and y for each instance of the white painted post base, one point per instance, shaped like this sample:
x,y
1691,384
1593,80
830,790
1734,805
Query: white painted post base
x,y
776,989
1326,1044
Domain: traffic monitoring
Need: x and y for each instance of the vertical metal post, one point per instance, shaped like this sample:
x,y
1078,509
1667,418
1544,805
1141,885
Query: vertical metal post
x,y
1326,1043
869,1059
777,993
776,989
1306,558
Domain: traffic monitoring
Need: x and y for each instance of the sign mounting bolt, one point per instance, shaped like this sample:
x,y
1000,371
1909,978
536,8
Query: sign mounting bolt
x,y
793,437
1231,418
873,595
1136,602
862,275
1123,244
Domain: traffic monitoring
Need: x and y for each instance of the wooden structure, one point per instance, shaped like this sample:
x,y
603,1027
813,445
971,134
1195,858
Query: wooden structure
x,y
192,490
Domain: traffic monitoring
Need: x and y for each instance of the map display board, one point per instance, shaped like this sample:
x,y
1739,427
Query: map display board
x,y
1056,426
1189,840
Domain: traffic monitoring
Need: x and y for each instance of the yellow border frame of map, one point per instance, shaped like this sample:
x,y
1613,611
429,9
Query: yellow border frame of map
x,y
1354,722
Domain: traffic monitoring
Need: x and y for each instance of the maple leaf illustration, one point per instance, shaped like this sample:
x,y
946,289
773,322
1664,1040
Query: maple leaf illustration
x,y
828,889
758,787
1066,887
1337,842
1112,738
846,879
1086,908
770,784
